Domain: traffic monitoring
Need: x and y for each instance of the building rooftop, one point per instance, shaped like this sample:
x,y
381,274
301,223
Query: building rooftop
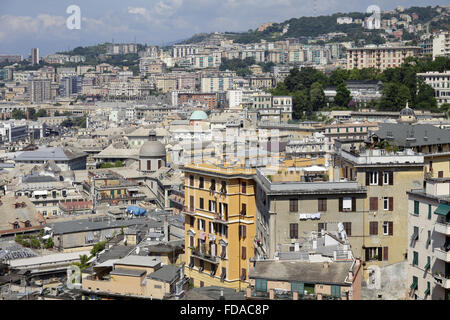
x,y
307,272
166,274
128,272
140,261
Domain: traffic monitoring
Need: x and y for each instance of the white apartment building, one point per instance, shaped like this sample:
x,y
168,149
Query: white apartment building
x,y
429,241
440,81
379,57
441,44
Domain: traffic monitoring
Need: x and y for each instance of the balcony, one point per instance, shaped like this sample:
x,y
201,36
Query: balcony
x,y
442,227
442,255
442,281
203,255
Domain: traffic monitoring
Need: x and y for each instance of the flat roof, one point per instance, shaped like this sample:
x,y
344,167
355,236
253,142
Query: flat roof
x,y
51,258
140,261
128,272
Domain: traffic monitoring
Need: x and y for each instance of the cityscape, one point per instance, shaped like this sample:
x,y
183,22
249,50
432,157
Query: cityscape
x,y
305,159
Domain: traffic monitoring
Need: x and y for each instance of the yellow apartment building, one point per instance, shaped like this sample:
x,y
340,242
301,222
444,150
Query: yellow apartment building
x,y
220,224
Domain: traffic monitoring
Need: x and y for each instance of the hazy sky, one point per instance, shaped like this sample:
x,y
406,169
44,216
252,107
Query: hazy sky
x,y
42,23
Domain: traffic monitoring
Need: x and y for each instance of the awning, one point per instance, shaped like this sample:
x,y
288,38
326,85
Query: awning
x,y
443,209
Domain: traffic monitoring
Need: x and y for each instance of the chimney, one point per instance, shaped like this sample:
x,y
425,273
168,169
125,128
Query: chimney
x,y
350,276
325,265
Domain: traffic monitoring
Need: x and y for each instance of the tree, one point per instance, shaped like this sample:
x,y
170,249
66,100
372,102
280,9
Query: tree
x,y
100,246
18,114
301,105
425,99
317,96
83,264
342,97
394,97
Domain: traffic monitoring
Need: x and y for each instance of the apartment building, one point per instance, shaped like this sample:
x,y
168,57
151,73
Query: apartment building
x,y
213,84
432,142
39,90
315,146
348,131
387,176
46,193
379,57
112,188
429,240
323,268
290,208
440,82
219,224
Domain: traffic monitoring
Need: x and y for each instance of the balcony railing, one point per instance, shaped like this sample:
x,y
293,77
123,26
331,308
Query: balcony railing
x,y
197,253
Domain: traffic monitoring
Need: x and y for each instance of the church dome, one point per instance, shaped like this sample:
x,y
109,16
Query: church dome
x,y
198,115
407,112
152,149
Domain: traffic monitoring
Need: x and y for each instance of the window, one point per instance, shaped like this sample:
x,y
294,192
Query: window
x,y
224,187
244,253
373,178
213,185
348,228
243,274
373,228
416,207
373,203
191,203
374,253
293,205
385,203
347,204
415,261
336,291
244,209
224,252
201,205
261,285
242,232
385,228
201,183
201,224
244,187
191,181
223,274
321,226
212,206
293,231
322,204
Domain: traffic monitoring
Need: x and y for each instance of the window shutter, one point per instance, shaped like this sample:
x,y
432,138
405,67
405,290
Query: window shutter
x,y
391,228
244,231
367,178
374,203
380,178
367,254
391,178
244,253
340,204
353,204
191,241
385,253
391,203
380,254
198,224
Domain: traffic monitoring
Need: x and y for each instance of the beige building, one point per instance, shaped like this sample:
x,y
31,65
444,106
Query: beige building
x,y
379,57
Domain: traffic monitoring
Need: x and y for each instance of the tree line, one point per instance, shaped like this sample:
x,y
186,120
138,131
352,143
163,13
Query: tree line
x,y
399,86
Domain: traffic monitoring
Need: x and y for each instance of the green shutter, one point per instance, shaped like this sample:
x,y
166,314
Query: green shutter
x,y
427,266
427,292
261,285
298,286
416,258
429,211
336,291
414,283
416,207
